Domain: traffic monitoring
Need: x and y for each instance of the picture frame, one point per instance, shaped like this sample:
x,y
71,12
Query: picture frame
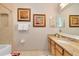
x,y
73,20
24,14
39,20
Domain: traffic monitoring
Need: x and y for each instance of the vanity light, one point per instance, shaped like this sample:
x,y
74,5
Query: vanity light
x,y
62,5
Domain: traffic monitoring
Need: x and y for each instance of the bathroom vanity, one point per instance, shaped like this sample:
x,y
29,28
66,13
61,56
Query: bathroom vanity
x,y
63,45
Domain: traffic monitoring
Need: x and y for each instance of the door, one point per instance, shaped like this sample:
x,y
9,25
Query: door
x,y
5,25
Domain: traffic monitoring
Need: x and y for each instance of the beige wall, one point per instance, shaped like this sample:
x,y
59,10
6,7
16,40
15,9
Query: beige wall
x,y
71,9
35,38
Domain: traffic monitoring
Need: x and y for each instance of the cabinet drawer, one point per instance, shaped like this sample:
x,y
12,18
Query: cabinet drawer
x,y
60,49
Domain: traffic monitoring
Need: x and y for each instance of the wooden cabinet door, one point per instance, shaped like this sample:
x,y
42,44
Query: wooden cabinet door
x,y
57,53
58,50
66,53
52,48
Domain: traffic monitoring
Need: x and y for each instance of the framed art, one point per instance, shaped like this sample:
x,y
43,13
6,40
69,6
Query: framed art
x,y
74,21
24,14
39,20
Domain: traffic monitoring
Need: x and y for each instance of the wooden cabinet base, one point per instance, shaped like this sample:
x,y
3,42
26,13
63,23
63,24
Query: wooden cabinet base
x,y
56,50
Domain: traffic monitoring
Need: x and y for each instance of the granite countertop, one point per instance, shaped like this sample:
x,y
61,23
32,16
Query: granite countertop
x,y
69,45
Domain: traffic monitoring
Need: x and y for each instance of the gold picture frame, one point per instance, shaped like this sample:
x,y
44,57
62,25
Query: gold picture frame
x,y
74,21
24,14
39,20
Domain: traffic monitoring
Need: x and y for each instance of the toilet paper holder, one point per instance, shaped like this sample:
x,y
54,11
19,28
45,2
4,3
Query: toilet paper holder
x,y
22,41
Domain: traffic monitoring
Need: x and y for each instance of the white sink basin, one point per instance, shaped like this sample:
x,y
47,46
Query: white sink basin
x,y
62,41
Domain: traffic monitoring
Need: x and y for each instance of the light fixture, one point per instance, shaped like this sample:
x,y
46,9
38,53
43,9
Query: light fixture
x,y
62,5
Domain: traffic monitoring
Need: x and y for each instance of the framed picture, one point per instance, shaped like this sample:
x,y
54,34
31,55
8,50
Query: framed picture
x,y
24,14
39,20
74,20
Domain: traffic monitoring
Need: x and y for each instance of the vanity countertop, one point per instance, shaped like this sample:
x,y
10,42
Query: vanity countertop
x,y
69,45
